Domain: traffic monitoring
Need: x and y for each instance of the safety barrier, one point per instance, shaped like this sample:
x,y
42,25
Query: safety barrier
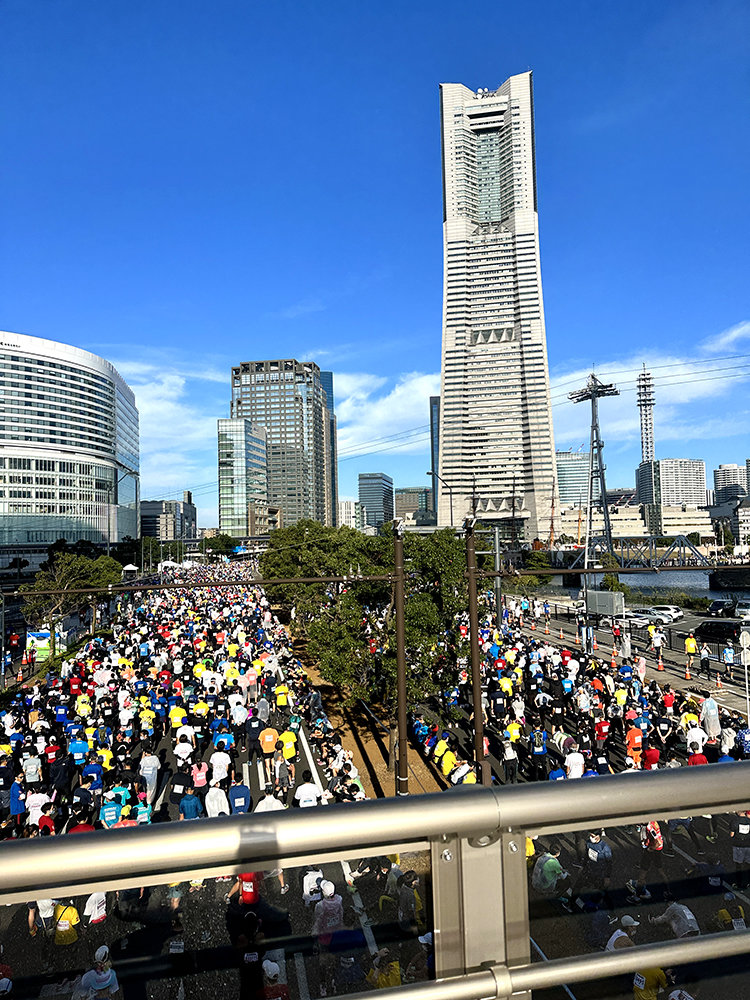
x,y
476,838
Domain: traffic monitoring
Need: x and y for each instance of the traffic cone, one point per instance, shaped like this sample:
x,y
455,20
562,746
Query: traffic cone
x,y
613,662
546,628
19,676
596,644
660,663
24,658
578,640
533,625
561,635
687,673
719,685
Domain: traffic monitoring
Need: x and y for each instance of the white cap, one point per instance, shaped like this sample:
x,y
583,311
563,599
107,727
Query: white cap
x,y
101,954
271,969
327,888
628,921
5,985
426,939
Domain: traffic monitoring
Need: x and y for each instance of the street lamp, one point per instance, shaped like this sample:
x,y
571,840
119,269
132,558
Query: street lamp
x,y
449,488
111,488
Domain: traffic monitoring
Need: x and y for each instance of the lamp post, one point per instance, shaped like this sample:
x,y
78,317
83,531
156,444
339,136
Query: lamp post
x,y
449,488
111,489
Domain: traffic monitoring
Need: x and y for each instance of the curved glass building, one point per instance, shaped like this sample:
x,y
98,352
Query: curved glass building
x,y
69,464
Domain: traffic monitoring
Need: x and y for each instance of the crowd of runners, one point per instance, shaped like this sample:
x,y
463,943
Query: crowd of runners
x,y
554,713
194,705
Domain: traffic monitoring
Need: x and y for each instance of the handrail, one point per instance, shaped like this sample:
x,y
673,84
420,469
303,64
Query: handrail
x,y
307,834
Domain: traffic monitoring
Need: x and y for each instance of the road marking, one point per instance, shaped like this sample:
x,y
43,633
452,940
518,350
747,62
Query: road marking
x,y
303,988
545,959
246,774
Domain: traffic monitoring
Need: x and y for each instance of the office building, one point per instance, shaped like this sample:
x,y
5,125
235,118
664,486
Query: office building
x,y
410,499
573,479
169,520
351,514
376,496
672,482
243,475
730,483
69,448
434,446
495,416
287,399
326,380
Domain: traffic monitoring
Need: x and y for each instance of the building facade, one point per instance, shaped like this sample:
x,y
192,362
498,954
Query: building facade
x,y
573,478
69,446
351,514
495,419
672,482
434,446
169,520
243,475
730,483
326,380
410,499
287,399
376,496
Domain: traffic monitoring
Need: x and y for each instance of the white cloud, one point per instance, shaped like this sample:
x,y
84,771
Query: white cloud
x,y
365,414
728,339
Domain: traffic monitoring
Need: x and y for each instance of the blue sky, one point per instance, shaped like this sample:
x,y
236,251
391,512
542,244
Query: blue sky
x,y
188,185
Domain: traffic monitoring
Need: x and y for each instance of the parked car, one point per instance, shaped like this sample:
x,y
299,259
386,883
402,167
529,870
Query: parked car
x,y
652,616
742,610
672,610
721,609
714,630
636,619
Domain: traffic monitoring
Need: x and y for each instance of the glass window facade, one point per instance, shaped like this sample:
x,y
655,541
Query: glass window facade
x,y
243,474
69,454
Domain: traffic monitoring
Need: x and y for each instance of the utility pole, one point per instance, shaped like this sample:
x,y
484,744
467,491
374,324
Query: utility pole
x,y
402,778
497,583
483,770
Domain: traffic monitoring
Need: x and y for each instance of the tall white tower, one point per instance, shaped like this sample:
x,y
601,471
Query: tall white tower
x,y
497,452
645,387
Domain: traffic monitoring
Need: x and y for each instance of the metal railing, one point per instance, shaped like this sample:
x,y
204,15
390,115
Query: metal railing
x,y
479,874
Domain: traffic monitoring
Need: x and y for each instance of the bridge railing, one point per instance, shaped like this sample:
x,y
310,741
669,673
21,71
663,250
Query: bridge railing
x,y
479,877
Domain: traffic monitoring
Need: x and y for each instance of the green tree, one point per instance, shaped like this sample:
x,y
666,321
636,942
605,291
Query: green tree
x,y
67,574
220,545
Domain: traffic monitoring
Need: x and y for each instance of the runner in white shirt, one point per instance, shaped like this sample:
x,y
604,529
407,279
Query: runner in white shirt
x,y
269,803
307,794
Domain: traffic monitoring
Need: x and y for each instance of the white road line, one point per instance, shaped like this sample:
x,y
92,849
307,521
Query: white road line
x,y
545,959
246,774
261,774
303,987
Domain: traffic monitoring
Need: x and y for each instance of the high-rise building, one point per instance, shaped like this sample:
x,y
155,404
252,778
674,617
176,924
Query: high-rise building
x,y
376,496
287,399
730,483
69,448
410,499
243,476
495,419
672,482
351,514
326,380
573,479
434,446
169,520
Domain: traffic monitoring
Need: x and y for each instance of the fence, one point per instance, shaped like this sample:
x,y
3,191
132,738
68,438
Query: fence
x,y
475,837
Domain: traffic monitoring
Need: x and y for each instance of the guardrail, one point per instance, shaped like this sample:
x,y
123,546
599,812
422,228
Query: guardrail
x,y
479,876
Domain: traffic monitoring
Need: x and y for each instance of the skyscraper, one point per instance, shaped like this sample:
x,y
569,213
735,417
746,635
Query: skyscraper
x,y
434,445
730,483
326,380
376,496
242,475
573,479
495,419
287,399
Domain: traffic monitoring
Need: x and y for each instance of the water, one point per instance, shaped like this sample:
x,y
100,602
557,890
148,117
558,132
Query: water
x,y
691,581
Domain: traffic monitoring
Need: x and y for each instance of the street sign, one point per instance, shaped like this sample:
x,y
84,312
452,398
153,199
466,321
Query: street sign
x,y
745,638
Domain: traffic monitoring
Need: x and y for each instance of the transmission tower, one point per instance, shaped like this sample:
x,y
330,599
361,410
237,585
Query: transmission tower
x,y
645,386
594,390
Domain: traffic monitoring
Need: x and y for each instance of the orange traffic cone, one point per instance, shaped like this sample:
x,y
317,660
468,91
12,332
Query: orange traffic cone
x,y
719,685
613,662
561,635
660,663
596,644
546,628
687,672
19,676
578,640
533,625
24,658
